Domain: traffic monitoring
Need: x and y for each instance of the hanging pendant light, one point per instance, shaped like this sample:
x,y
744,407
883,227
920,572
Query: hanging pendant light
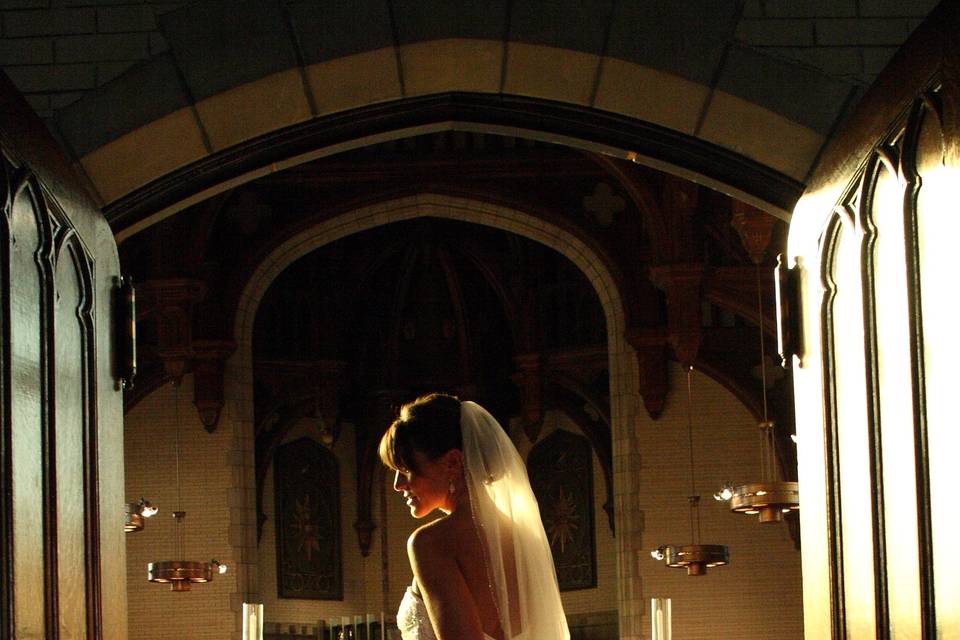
x,y
771,497
695,557
180,574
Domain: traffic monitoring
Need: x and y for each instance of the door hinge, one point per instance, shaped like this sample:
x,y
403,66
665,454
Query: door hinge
x,y
789,320
125,332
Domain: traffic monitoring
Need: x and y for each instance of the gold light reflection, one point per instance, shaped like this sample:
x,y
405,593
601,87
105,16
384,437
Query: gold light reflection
x,y
806,227
855,490
896,406
939,230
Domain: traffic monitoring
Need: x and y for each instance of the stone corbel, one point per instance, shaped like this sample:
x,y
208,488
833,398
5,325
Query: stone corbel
x,y
755,229
529,377
209,359
681,199
650,346
364,527
682,285
330,378
170,301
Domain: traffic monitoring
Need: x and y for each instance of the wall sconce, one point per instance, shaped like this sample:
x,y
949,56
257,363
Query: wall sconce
x,y
136,512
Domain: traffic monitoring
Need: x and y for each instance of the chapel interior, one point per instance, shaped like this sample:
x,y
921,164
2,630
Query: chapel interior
x,y
581,229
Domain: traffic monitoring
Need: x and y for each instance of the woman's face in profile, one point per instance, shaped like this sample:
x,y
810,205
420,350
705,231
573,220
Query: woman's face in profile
x,y
425,489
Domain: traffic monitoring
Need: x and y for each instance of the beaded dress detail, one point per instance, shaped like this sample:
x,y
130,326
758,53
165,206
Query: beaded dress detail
x,y
412,618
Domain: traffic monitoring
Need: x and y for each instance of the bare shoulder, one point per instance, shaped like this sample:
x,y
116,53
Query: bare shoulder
x,y
430,538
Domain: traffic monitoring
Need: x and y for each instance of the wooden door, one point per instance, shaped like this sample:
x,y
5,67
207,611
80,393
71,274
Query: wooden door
x,y
876,238
62,567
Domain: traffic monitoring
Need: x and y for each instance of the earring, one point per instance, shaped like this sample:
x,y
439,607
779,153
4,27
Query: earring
x,y
452,489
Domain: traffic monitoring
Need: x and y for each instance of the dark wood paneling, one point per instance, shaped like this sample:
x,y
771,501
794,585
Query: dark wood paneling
x,y
49,451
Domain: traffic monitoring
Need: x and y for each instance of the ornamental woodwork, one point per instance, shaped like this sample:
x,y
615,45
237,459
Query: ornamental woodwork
x,y
209,359
61,471
682,285
651,349
876,243
755,229
529,378
169,302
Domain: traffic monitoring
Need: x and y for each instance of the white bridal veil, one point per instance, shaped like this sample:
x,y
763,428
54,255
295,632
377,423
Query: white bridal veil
x,y
519,562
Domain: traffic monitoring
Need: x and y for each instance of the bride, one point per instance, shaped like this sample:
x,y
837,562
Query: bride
x,y
484,571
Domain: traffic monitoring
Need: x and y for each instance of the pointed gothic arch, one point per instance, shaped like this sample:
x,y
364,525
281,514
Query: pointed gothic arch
x,y
624,399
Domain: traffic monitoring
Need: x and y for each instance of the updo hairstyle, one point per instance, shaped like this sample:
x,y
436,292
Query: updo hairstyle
x,y
429,425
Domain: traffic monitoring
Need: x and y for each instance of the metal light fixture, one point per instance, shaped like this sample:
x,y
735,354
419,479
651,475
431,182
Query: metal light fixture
x,y
180,574
771,497
136,513
696,558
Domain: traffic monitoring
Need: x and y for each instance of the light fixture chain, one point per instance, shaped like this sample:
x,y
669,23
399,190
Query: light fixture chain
x,y
763,348
179,533
766,441
694,498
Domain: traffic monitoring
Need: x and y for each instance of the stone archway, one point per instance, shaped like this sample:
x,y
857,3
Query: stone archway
x,y
625,402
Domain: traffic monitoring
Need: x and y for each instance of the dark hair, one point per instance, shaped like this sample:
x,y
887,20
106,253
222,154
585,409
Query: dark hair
x,y
430,425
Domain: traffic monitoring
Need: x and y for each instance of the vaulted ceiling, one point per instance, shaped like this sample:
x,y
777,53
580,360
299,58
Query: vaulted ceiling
x,y
377,317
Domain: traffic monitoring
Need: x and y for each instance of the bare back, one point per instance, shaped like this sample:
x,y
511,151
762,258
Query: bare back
x,y
456,538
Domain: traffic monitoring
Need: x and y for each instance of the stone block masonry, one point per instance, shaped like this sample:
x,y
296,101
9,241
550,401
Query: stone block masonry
x,y
848,39
55,50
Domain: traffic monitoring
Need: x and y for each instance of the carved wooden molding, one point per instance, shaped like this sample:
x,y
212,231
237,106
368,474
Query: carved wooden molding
x,y
169,301
680,199
734,288
755,229
378,410
295,380
209,359
650,346
529,377
682,285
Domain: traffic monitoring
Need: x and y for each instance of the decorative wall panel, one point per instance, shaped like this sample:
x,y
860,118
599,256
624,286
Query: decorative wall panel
x,y
307,487
561,473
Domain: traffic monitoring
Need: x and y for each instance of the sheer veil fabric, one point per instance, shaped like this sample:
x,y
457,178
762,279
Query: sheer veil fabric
x,y
519,563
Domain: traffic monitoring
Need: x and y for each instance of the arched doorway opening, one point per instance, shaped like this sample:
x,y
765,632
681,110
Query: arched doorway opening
x,y
613,221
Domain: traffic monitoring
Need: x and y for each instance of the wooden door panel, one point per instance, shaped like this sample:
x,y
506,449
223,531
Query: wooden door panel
x,y
70,391
26,411
849,426
938,230
61,451
876,239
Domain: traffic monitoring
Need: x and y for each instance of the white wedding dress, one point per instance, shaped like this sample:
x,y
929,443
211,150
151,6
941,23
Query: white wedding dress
x,y
412,618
